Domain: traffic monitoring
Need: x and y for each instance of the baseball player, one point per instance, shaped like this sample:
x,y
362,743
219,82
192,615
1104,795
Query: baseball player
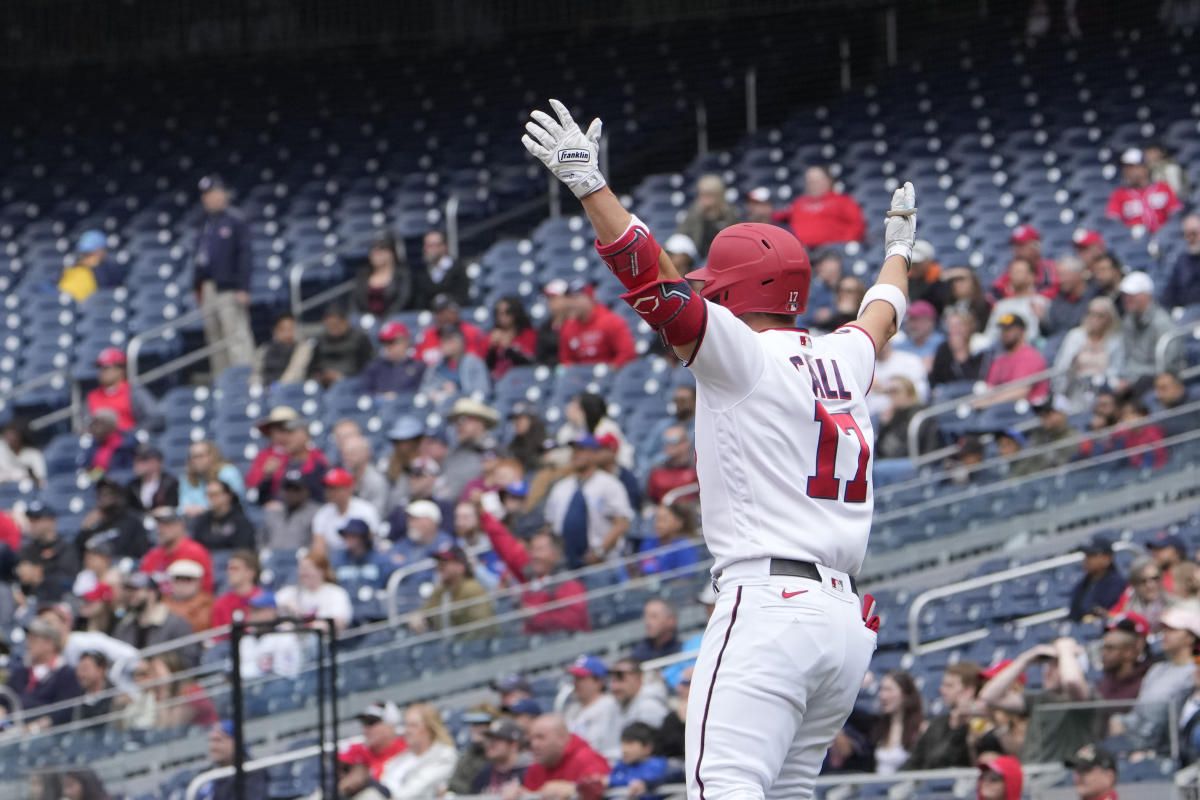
x,y
783,446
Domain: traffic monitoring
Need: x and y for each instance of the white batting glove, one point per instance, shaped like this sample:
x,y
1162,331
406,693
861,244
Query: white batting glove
x,y
568,152
901,229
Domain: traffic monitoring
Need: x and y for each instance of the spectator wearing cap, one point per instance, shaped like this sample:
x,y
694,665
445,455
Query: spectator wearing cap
x,y
173,545
709,214
97,609
1102,583
110,450
92,673
512,688
944,742
186,598
758,205
457,600
152,486
341,506
568,609
1000,778
224,526
1122,661
266,472
925,277
290,526
591,332
112,521
1144,323
354,780
1145,594
639,698
394,371
1054,428
549,332
316,594
1022,299
1182,287
471,420
606,460
472,759
381,744
433,516
1141,200
590,711
677,468
441,275
1089,246
341,350
58,559
1016,359
1025,242
589,508
513,339
1166,685
220,754
1068,307
1090,352
20,459
284,358
265,649
921,337
682,251
1094,773
446,314
1052,734
224,263
42,678
148,621
92,269
455,371
132,405
563,761
358,563
506,761
384,286
1169,551
821,215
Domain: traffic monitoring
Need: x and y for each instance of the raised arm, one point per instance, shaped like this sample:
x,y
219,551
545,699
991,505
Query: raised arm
x,y
883,306
657,291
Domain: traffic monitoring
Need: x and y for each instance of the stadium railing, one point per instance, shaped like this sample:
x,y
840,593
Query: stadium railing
x,y
57,380
169,329
921,601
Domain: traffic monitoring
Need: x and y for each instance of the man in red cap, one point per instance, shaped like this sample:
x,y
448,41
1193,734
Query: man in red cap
x,y
133,405
1089,245
1121,660
1141,201
1000,778
394,371
592,333
340,507
1026,243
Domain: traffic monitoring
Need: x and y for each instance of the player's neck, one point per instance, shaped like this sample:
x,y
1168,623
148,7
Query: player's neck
x,y
761,321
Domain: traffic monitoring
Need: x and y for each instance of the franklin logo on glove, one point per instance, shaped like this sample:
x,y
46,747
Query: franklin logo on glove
x,y
573,156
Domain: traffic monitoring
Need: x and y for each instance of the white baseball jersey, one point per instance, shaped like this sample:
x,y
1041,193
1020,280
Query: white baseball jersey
x,y
784,442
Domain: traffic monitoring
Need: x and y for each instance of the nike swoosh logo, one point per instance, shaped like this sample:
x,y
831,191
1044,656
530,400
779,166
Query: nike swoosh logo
x,y
789,595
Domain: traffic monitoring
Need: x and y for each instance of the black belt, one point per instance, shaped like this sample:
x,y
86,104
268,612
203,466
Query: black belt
x,y
801,569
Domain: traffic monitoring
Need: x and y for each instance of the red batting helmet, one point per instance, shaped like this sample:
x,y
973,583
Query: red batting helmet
x,y
756,267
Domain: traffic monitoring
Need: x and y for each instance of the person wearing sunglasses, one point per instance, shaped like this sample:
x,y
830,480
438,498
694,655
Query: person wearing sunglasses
x,y
1000,778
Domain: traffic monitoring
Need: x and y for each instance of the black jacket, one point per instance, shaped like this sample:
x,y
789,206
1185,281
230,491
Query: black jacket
x,y
223,253
454,283
59,560
347,354
167,493
940,746
124,531
56,687
230,532
397,295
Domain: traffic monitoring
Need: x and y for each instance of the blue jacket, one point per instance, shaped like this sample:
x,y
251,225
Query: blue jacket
x,y
1100,593
470,375
56,687
652,771
1183,285
223,253
382,376
372,569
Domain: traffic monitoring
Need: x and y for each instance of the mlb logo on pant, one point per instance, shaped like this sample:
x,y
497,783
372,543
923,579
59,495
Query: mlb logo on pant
x,y
837,583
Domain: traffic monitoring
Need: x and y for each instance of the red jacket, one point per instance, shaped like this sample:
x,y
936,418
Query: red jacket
x,y
378,761
119,398
158,559
473,340
1150,206
521,351
313,468
226,604
820,220
664,478
601,338
573,616
578,761
1045,279
10,532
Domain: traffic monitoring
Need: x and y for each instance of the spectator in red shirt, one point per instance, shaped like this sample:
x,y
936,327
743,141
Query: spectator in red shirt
x,y
241,576
821,215
513,340
1141,201
562,760
541,588
133,406
677,469
592,333
290,449
1017,360
381,744
174,545
1134,432
446,314
1026,243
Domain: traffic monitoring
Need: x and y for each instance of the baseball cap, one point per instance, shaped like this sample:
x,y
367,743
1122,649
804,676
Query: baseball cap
x,y
101,543
262,599
424,509
186,568
987,673
1090,756
101,591
166,514
1098,545
514,682
1130,622
1164,539
1137,282
526,705
111,357
579,286
37,508
506,730
394,330
759,194
210,182
139,580
922,308
609,441
355,527
90,241
516,489
1133,156
1024,233
294,477
587,442
444,302
1008,320
555,288
381,711
338,477
280,415
1181,619
1015,435
588,666
682,243
922,251
1086,238
405,427
450,552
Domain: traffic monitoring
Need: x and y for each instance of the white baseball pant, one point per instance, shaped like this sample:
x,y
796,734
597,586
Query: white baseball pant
x,y
779,669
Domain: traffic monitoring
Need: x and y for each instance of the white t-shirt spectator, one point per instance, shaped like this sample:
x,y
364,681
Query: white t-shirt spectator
x,y
328,520
328,602
276,653
606,500
598,724
897,364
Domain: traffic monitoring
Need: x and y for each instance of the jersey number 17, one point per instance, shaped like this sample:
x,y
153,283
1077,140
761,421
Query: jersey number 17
x,y
824,484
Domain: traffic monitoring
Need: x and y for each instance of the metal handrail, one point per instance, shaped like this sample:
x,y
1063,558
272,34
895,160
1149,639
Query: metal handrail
x,y
62,375
134,347
1164,342
452,225
415,568
15,711
915,645
216,773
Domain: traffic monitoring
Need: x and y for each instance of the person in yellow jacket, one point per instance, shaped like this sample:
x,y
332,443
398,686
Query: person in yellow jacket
x,y
91,271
